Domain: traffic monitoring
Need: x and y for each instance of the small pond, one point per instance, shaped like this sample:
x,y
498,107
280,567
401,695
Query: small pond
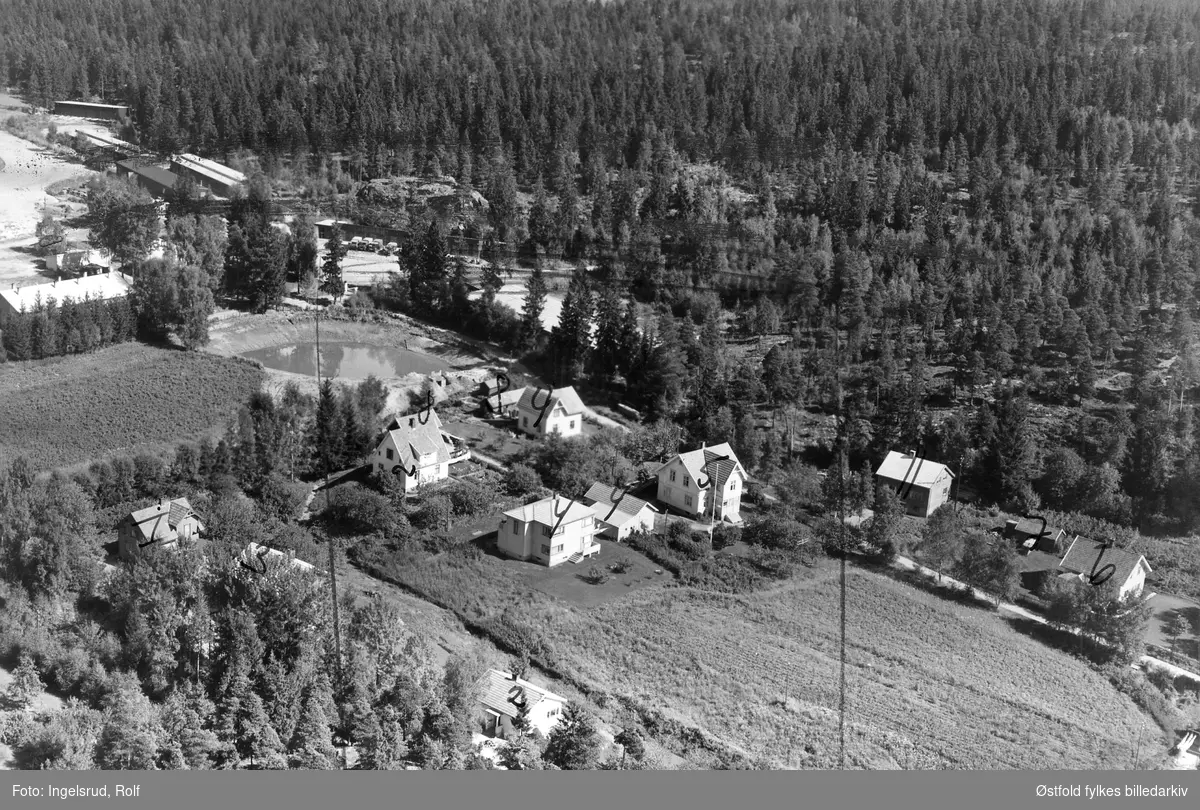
x,y
348,361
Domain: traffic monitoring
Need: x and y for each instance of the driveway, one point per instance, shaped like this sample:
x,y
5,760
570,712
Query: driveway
x,y
1164,605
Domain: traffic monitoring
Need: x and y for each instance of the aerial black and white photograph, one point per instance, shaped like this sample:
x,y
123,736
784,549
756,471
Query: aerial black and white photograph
x,y
599,385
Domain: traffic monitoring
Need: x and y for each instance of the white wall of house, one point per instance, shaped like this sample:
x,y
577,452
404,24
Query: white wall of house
x,y
386,459
678,489
643,521
922,501
556,421
545,715
532,541
1134,585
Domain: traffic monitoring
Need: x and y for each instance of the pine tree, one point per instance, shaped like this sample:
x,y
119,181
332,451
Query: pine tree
x,y
541,217
129,739
574,744
326,432
331,267
310,747
184,719
1009,455
535,303
571,340
942,538
354,434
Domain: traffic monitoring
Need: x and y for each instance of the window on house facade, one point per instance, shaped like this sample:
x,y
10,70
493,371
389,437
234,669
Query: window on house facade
x,y
545,531
672,476
515,529
732,483
687,499
558,548
545,549
389,454
685,480
572,425
525,421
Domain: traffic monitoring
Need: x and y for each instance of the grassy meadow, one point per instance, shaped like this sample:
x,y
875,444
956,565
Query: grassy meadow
x,y
931,684
66,410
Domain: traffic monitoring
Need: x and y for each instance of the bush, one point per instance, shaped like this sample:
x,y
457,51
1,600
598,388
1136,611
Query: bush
x,y
725,535
354,509
283,498
1146,696
523,480
596,576
467,499
434,513
776,532
620,566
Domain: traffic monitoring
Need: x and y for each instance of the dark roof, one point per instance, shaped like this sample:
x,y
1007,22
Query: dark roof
x,y
603,493
1085,556
1024,528
158,522
150,172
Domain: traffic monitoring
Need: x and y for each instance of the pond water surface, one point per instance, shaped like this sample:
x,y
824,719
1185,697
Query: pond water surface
x,y
349,361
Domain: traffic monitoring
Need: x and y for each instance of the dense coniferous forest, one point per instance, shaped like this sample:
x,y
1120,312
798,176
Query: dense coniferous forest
x,y
969,227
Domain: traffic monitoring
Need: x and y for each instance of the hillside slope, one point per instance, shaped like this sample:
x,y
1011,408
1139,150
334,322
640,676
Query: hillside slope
x,y
929,684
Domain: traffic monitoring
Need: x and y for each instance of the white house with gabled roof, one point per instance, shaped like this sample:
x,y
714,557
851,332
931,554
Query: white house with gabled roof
x,y
619,515
504,695
551,531
415,450
922,484
680,478
542,412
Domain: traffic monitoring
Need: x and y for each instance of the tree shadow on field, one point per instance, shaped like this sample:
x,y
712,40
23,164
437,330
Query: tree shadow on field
x,y
1063,640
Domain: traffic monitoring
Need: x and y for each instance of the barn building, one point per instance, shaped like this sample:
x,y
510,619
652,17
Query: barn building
x,y
211,175
155,179
86,109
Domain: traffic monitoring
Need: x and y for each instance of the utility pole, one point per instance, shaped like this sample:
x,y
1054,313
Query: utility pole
x,y
337,630
841,456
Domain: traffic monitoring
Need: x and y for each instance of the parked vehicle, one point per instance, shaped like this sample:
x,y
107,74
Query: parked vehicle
x,y
355,243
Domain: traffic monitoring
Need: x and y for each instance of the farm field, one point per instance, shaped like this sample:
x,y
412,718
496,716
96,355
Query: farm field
x,y
930,685
67,410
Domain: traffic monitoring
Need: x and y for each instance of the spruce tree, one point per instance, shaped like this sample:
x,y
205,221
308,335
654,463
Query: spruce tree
x,y
535,303
311,747
331,267
571,340
574,744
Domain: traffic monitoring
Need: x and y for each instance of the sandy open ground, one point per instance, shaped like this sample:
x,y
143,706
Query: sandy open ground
x,y
27,171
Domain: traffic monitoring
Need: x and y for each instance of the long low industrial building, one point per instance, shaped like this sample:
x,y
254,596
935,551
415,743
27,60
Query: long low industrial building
x,y
155,179
208,173
25,298
87,109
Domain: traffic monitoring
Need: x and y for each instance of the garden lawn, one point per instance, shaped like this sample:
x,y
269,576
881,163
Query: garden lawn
x,y
121,399
929,684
